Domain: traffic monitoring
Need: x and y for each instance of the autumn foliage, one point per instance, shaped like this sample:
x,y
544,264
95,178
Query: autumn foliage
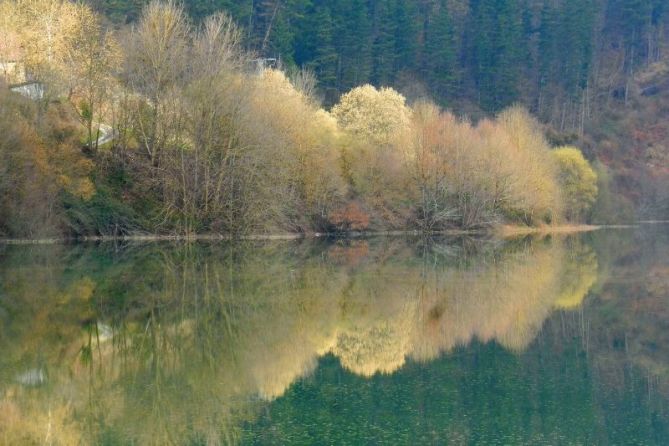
x,y
205,140
578,181
38,165
349,218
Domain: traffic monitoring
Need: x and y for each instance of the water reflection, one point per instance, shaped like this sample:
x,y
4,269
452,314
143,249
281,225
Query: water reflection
x,y
188,344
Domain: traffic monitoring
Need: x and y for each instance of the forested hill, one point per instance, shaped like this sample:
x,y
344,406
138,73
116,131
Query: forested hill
x,y
158,117
591,69
489,52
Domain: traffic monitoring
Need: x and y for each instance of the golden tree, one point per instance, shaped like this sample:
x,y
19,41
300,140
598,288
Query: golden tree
x,y
578,180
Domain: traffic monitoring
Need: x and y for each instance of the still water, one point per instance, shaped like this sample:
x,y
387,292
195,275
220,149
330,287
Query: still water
x,y
553,340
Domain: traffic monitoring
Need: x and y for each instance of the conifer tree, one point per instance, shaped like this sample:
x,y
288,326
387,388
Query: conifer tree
x,y
325,62
440,54
354,44
406,35
383,44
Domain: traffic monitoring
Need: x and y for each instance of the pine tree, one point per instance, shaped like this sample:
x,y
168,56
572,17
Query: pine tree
x,y
326,57
548,44
353,44
383,43
496,39
240,10
440,57
406,35
576,45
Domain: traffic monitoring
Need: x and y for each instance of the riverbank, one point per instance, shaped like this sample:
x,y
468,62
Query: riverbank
x,y
501,231
227,237
515,231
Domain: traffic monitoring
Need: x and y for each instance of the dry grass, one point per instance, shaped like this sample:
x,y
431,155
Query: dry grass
x,y
515,230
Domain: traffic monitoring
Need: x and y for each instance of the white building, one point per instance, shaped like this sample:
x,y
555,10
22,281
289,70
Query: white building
x,y
32,90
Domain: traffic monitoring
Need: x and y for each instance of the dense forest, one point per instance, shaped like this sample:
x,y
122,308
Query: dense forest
x,y
550,55
595,71
302,116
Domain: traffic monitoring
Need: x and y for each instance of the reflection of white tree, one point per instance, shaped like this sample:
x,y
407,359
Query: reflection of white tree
x,y
381,346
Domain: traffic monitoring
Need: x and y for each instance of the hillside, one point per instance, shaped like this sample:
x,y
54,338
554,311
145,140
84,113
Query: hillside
x,y
632,140
592,70
301,117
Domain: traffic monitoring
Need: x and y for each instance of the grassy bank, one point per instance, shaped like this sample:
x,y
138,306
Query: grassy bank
x,y
515,230
501,231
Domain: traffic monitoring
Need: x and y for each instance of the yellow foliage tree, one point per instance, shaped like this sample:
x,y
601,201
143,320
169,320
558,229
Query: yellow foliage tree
x,y
536,190
578,180
306,137
476,174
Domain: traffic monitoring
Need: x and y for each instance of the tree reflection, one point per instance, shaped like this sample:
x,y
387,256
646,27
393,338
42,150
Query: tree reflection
x,y
166,344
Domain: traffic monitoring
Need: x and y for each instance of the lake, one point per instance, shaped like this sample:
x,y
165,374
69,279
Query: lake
x,y
396,340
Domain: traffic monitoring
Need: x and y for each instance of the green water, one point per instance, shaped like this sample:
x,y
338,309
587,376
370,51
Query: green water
x,y
561,340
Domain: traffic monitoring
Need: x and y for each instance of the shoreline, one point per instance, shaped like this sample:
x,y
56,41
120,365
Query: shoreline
x,y
500,231
227,237
506,231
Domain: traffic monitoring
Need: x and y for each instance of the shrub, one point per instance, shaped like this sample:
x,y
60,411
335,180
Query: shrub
x,y
578,181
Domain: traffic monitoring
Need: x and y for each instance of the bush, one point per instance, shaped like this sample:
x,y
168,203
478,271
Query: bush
x,y
578,181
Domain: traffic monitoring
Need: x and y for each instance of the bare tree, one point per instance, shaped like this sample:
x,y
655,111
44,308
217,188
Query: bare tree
x,y
91,55
157,65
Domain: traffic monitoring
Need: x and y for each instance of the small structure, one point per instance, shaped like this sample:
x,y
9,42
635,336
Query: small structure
x,y
14,75
32,89
263,63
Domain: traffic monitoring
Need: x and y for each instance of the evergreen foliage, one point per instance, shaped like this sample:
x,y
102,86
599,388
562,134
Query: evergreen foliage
x,y
489,52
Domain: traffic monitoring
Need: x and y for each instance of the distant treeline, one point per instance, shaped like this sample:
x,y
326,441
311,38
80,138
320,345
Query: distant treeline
x,y
206,140
553,56
594,71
